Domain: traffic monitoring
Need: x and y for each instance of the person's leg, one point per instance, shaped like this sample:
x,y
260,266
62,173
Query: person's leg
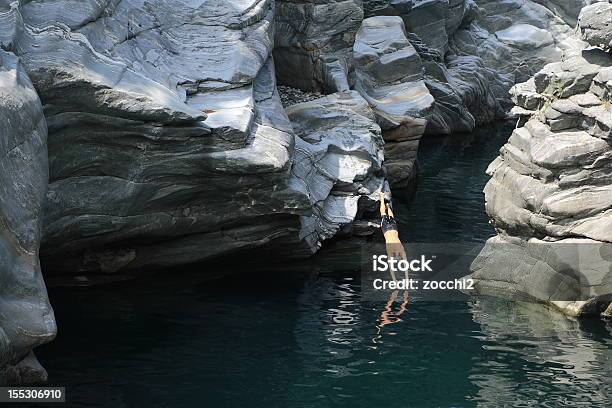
x,y
391,254
389,211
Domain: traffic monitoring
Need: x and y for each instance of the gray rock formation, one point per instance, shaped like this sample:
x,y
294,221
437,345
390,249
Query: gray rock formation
x,y
518,38
26,318
167,144
567,10
314,43
468,68
460,84
595,25
167,140
434,21
338,162
389,75
550,195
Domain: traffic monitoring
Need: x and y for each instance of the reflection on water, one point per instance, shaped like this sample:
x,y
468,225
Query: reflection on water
x,y
566,362
389,315
304,337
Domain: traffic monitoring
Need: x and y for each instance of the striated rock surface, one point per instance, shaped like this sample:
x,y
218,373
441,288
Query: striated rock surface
x,y
434,21
550,194
389,75
460,84
26,318
517,38
314,41
472,52
338,162
167,145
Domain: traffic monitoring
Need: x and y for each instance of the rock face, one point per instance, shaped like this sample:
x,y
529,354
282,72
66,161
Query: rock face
x,y
338,162
314,41
468,55
26,318
518,38
389,75
434,21
473,52
460,84
550,195
594,22
167,145
167,140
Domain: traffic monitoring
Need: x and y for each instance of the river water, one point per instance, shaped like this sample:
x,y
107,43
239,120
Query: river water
x,y
306,338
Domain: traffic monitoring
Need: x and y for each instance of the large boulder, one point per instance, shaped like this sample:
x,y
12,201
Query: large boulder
x,y
595,22
550,194
26,318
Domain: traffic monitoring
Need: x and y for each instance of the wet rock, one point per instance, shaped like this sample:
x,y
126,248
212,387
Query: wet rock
x,y
27,371
571,274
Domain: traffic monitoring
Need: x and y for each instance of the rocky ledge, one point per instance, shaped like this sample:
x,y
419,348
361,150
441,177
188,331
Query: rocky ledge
x,y
550,194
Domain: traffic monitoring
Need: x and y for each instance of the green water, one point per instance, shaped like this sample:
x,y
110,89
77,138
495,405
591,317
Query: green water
x,y
304,337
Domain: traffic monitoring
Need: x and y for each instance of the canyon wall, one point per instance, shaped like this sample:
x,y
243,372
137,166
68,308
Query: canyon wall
x,y
550,194
26,318
168,143
468,55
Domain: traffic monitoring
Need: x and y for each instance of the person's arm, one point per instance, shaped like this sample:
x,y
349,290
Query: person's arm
x,y
390,212
383,206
